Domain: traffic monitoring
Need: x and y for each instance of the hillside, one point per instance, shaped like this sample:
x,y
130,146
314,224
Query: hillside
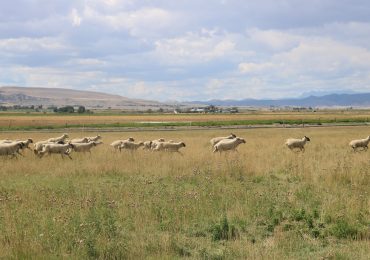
x,y
62,97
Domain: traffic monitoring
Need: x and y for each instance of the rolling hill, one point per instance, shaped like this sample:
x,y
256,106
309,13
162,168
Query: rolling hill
x,y
27,96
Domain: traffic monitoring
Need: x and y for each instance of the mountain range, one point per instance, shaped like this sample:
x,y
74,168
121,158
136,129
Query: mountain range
x,y
330,100
27,96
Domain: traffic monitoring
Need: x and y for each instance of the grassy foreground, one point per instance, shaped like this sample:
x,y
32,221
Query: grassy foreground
x,y
261,203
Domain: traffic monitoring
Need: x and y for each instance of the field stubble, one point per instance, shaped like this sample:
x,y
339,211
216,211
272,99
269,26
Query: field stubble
x,y
262,202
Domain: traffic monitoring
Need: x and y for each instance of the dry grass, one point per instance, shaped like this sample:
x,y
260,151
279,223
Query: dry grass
x,y
263,202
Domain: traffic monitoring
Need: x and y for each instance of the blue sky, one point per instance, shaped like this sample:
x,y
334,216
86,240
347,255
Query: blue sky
x,y
187,49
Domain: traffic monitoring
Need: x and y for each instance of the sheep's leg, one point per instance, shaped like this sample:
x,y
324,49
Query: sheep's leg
x,y
69,156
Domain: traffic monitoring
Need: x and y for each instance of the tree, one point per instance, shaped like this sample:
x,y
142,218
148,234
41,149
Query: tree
x,y
81,109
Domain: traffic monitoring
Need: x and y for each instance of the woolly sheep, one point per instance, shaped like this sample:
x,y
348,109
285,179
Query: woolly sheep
x,y
117,144
169,146
131,145
228,144
360,143
156,142
147,145
62,149
38,146
217,139
94,138
11,149
85,147
57,139
80,140
292,143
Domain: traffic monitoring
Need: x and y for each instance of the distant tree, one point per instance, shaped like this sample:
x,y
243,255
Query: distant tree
x,y
66,109
81,109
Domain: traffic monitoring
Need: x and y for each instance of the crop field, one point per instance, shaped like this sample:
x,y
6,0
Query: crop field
x,y
38,120
263,202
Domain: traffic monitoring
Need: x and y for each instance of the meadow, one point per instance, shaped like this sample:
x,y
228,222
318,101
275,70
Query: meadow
x,y
264,202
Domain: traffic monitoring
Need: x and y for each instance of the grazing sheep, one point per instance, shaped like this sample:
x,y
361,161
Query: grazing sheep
x,y
169,146
94,138
228,144
85,147
38,146
360,143
156,142
62,149
131,145
57,139
147,145
11,149
117,144
80,140
297,143
217,139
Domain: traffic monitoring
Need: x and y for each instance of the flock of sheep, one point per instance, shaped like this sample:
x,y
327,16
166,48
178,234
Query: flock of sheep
x,y
60,145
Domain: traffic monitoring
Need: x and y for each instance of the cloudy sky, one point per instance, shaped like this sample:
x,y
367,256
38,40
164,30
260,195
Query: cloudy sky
x,y
187,49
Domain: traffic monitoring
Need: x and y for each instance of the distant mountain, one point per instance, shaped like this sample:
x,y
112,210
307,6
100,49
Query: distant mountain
x,y
332,100
61,97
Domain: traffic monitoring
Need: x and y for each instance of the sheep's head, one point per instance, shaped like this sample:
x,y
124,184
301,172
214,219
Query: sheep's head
x,y
30,140
65,135
183,144
160,140
232,135
307,139
141,143
131,139
240,140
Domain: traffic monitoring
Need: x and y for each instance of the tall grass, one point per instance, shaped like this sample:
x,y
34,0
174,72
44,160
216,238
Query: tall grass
x,y
262,202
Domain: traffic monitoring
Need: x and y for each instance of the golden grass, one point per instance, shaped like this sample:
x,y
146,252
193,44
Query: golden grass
x,y
263,202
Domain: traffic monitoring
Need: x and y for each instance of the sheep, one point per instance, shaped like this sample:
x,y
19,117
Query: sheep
x,y
37,147
147,145
85,147
6,141
57,139
170,146
11,148
217,139
80,140
360,143
156,142
62,149
94,138
117,144
131,145
292,143
228,145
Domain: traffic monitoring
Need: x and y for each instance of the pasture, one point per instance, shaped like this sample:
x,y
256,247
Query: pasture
x,y
264,202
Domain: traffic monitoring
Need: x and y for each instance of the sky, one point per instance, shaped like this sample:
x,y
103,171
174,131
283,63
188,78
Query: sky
x,y
187,49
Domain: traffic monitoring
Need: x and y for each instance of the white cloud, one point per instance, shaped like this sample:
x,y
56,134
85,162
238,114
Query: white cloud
x,y
75,17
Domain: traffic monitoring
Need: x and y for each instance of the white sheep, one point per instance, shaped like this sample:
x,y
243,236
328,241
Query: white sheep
x,y
131,145
38,146
80,140
62,149
147,145
58,139
94,138
360,143
170,146
292,143
11,149
85,147
117,144
156,142
228,144
217,139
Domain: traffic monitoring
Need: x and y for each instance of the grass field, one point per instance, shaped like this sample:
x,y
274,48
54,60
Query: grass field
x,y
22,121
264,202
